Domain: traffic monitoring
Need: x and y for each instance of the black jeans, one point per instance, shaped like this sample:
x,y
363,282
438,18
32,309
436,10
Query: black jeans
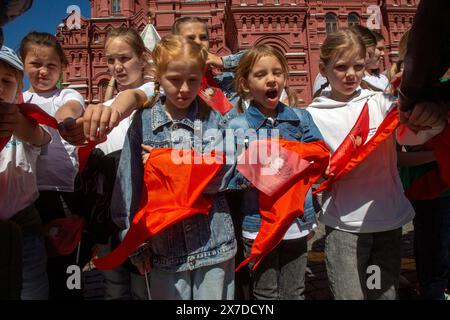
x,y
281,273
53,205
431,246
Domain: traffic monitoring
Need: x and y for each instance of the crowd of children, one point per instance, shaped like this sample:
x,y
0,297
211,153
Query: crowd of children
x,y
158,107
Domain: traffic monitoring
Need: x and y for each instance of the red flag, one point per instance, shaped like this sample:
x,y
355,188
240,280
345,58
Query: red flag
x,y
174,193
436,181
63,235
286,201
213,96
384,131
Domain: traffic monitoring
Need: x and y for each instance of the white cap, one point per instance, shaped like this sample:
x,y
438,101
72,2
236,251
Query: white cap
x,y
10,57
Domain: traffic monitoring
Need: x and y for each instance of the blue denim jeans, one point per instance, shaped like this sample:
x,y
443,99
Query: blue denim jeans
x,y
215,282
34,268
120,283
431,246
281,274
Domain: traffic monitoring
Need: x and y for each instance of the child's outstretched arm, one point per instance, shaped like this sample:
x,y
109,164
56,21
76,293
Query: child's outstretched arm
x,y
12,122
226,62
100,119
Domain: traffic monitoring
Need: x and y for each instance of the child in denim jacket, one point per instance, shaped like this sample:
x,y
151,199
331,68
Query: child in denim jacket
x,y
193,259
261,78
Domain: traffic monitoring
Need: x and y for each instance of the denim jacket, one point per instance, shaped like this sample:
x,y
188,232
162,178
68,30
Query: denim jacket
x,y
200,240
292,124
226,82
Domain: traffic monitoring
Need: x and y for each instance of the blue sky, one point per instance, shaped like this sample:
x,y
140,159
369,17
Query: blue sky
x,y
44,16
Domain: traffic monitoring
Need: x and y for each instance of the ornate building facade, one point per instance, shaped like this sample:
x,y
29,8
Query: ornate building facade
x,y
296,27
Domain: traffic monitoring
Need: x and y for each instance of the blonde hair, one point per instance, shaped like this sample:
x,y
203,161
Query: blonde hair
x,y
402,46
396,67
173,48
246,64
336,43
131,37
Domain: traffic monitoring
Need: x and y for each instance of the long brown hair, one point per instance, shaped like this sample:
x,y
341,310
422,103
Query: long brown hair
x,y
176,28
246,64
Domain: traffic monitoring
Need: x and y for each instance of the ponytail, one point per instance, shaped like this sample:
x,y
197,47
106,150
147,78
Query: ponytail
x,y
154,97
322,87
292,96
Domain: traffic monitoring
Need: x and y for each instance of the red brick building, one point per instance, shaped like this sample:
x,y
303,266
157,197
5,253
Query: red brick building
x,y
295,27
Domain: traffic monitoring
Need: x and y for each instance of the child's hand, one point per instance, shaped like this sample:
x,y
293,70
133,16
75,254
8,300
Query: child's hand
x,y
99,120
327,174
142,258
71,130
9,119
214,60
146,153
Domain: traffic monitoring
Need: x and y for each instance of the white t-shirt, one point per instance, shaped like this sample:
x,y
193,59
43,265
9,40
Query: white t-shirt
x,y
370,198
318,82
295,231
17,177
116,137
379,81
57,165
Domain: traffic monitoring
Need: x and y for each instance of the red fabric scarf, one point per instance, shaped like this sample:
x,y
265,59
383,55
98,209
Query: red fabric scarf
x,y
356,138
386,128
436,181
279,209
37,115
213,96
63,235
173,193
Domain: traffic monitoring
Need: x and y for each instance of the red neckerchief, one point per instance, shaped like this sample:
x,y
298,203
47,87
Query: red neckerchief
x,y
385,129
174,192
355,139
279,209
213,96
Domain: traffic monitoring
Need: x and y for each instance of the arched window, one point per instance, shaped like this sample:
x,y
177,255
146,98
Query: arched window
x,y
102,87
331,22
115,6
352,19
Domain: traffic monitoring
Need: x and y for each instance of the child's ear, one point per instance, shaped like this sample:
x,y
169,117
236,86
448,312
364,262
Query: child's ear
x,y
244,85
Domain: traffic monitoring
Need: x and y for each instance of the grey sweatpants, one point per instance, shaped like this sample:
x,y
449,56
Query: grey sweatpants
x,y
363,265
